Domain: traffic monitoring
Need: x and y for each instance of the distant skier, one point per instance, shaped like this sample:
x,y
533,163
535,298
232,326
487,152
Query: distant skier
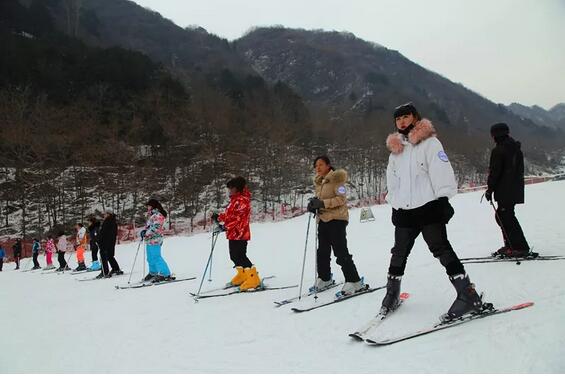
x,y
236,222
93,229
330,206
62,244
420,181
2,256
506,183
107,242
49,251
153,236
17,249
81,240
35,248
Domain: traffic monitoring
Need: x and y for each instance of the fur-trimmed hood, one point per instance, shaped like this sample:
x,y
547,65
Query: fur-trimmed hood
x,y
422,131
337,177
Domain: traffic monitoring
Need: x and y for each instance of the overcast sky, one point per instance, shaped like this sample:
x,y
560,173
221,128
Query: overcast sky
x,y
507,50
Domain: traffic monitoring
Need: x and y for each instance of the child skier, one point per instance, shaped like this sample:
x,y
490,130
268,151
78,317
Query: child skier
x,y
80,245
49,250
35,253
93,228
153,236
236,223
61,249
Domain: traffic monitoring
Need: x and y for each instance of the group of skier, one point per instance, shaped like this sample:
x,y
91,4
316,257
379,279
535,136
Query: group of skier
x,y
420,182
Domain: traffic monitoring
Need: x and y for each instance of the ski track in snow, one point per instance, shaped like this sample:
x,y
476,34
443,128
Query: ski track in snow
x,y
52,323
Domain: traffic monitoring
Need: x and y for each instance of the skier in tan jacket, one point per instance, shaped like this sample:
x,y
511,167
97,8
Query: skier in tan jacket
x,y
330,207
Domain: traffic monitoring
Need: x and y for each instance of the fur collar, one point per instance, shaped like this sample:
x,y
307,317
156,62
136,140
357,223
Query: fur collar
x,y
337,176
422,131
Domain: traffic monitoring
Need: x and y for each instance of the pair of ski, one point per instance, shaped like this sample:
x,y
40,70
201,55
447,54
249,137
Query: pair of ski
x,y
229,289
96,278
490,259
141,284
367,332
338,298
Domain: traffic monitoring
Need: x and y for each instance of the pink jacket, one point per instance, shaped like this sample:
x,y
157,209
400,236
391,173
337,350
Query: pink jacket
x,y
50,246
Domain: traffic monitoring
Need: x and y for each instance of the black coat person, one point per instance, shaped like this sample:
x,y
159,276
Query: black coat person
x,y
93,230
107,242
506,183
17,248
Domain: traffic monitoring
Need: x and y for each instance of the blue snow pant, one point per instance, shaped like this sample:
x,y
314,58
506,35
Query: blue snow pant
x,y
157,264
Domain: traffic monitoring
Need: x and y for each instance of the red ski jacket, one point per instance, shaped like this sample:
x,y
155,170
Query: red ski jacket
x,y
236,216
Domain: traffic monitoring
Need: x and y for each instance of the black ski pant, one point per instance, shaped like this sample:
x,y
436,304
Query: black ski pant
x,y
332,235
35,262
61,259
1,263
435,236
511,230
107,256
94,250
238,253
17,260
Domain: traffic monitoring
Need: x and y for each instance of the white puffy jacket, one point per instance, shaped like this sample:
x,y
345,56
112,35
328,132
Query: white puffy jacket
x,y
418,169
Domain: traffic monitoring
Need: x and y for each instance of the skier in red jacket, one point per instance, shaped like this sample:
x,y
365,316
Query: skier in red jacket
x,y
236,223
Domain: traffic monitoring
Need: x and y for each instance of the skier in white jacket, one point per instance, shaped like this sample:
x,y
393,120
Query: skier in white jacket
x,y
420,182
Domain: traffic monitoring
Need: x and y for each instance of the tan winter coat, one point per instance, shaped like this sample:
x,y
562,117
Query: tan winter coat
x,y
332,191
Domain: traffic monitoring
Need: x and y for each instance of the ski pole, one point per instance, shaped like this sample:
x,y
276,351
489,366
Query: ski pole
x,y
304,258
316,259
211,260
504,233
102,258
214,238
134,260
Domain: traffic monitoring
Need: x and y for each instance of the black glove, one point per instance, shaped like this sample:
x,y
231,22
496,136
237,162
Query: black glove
x,y
488,195
314,204
215,217
447,210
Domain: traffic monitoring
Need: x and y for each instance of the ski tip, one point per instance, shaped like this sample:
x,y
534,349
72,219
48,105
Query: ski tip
x,y
523,305
356,337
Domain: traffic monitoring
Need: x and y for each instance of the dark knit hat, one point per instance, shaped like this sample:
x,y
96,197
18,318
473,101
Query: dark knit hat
x,y
238,183
406,109
499,129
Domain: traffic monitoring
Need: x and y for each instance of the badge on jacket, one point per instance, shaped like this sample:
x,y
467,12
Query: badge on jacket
x,y
341,190
442,156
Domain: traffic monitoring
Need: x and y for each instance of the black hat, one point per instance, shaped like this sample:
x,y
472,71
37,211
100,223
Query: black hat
x,y
406,109
238,183
153,203
499,129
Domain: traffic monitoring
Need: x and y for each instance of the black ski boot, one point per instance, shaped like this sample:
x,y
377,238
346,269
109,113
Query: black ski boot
x,y
80,267
100,276
467,300
148,277
115,272
158,278
501,252
392,297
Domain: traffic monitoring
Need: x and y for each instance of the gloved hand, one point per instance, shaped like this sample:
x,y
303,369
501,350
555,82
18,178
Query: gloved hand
x,y
215,217
447,210
142,233
488,195
314,204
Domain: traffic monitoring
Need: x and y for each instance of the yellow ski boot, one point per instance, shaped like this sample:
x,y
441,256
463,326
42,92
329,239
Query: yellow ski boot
x,y
239,278
252,281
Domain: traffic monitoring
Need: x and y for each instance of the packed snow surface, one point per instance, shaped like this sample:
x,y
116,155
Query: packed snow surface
x,y
53,323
